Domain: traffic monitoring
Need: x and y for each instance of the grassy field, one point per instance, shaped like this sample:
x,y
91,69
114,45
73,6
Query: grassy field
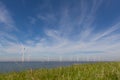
x,y
89,71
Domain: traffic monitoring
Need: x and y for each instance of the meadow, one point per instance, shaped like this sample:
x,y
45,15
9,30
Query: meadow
x,y
87,71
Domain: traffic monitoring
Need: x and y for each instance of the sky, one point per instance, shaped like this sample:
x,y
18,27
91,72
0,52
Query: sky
x,y
60,30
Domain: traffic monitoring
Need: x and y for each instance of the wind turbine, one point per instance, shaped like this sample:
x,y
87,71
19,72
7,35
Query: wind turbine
x,y
48,58
23,53
77,58
29,57
23,56
60,58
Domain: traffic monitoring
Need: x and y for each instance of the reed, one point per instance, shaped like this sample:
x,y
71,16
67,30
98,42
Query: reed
x,y
88,71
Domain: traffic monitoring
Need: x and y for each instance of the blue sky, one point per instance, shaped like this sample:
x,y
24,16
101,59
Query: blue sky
x,y
60,29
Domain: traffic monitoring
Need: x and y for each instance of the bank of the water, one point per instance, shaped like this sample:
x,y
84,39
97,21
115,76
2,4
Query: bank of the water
x,y
87,71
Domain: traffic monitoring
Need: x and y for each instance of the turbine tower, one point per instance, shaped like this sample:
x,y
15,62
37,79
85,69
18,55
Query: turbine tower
x,y
77,58
29,57
48,58
23,53
23,58
60,58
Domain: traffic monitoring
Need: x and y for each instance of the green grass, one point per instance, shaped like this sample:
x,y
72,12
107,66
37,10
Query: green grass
x,y
93,71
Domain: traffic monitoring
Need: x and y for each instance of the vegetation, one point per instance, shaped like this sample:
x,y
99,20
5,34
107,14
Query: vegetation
x,y
89,71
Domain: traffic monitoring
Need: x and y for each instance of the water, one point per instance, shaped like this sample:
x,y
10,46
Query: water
x,y
19,66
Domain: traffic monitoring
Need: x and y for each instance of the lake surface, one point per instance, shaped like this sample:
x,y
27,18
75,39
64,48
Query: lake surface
x,y
19,66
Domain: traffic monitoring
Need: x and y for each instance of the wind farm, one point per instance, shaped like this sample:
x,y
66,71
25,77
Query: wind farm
x,y
59,40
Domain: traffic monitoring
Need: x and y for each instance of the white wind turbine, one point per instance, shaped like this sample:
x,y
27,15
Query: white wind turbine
x,y
48,58
77,58
60,58
29,57
23,53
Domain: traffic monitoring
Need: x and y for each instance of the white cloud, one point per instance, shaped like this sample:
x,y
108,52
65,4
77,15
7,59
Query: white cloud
x,y
105,44
5,17
7,25
107,32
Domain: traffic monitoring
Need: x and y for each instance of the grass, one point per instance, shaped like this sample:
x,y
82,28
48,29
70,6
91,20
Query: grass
x,y
89,71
